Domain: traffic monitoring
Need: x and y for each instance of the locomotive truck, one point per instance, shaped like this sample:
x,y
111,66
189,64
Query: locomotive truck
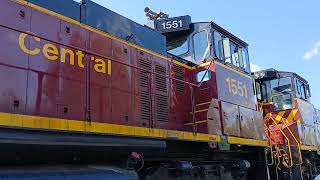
x,y
173,99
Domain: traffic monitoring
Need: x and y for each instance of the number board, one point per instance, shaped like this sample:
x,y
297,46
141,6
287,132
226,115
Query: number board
x,y
173,24
235,87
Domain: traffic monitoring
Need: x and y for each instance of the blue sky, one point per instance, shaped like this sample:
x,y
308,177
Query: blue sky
x,y
282,34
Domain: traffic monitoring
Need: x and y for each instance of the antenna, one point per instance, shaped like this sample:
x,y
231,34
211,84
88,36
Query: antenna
x,y
155,15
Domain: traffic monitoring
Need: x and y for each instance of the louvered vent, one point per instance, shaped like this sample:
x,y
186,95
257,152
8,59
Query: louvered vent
x,y
162,111
178,74
160,78
145,106
145,69
161,99
144,82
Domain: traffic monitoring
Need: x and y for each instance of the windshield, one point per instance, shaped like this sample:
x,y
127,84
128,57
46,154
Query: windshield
x,y
281,93
201,46
178,46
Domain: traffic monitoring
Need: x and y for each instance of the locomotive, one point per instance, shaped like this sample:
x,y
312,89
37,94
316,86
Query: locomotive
x,y
171,99
292,122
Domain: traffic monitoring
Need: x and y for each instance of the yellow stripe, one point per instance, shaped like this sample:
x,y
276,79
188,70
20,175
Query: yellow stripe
x,y
201,104
269,103
310,148
279,116
249,142
34,122
183,65
72,21
233,70
291,115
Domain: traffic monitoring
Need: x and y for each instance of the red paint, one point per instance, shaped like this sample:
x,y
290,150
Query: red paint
x,y
55,89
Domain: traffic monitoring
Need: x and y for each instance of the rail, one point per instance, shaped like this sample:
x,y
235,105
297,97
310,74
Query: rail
x,y
296,140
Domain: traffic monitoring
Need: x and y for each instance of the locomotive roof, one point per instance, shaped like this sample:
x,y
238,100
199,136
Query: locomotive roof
x,y
273,73
94,15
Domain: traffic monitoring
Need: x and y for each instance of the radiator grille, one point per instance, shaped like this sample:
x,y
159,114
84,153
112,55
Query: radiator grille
x,y
161,98
144,82
160,78
145,106
162,111
178,74
145,69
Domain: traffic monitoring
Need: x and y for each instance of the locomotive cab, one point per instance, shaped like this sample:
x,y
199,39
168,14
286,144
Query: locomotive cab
x,y
281,89
224,100
285,100
197,43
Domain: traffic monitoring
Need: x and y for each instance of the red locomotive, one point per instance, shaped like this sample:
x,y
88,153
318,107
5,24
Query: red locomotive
x,y
82,82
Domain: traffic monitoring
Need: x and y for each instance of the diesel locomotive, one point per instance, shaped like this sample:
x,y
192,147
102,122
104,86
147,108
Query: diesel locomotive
x,y
171,99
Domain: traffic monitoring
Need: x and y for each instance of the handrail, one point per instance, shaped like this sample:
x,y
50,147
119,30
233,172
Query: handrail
x,y
273,153
270,144
296,140
288,141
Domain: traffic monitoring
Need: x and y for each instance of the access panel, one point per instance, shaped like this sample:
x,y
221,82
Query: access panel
x,y
246,123
230,119
258,123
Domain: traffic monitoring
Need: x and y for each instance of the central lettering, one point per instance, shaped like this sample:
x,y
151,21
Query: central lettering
x,y
64,55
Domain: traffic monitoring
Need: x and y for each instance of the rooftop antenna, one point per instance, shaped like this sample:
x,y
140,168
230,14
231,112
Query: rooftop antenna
x,y
155,15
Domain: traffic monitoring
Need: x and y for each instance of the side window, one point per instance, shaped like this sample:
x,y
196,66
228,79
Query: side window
x,y
308,91
218,45
203,76
234,54
201,46
301,90
298,89
258,91
264,92
245,58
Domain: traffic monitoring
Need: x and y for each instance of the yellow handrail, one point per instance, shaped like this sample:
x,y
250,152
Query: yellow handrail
x,y
288,141
296,140
273,153
270,144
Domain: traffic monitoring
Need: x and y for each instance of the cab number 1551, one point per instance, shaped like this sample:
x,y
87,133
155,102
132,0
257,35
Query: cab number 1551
x,y
237,87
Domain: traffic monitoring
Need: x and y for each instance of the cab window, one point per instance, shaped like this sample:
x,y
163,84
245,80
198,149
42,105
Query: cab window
x,y
179,45
281,93
203,76
301,90
201,46
245,59
234,54
258,91
180,49
218,45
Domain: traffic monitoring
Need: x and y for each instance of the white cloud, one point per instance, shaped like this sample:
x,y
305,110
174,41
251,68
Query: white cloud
x,y
255,68
312,52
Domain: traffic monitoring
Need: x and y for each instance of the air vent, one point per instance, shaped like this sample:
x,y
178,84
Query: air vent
x,y
179,74
145,69
145,106
160,78
144,82
162,111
